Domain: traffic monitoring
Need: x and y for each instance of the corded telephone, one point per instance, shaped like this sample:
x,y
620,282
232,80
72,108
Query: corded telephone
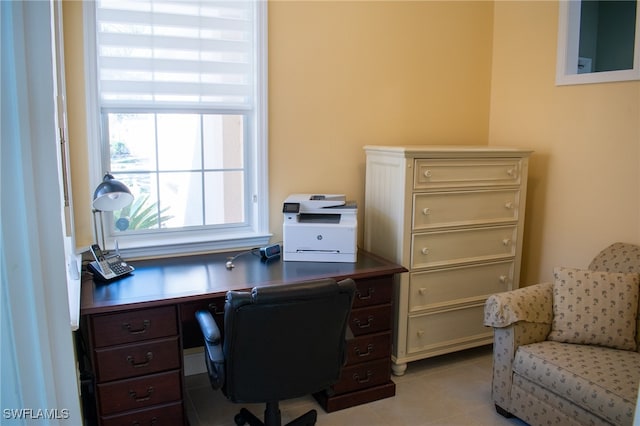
x,y
108,268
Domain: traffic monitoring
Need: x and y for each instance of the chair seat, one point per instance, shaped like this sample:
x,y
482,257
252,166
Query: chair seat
x,y
600,380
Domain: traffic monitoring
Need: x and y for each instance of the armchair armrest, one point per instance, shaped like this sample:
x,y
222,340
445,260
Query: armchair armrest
x,y
531,304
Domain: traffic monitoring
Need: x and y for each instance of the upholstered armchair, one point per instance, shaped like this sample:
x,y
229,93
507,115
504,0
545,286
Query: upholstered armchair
x,y
565,352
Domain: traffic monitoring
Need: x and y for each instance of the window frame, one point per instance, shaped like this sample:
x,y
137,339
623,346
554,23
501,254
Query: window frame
x,y
568,41
197,239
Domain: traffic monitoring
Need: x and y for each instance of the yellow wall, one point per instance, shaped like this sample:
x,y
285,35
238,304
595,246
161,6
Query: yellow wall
x,y
343,75
346,74
584,184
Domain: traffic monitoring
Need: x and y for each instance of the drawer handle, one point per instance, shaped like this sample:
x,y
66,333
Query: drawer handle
x,y
508,205
368,296
503,279
147,359
145,327
426,211
363,354
214,309
425,250
422,291
506,242
367,325
427,173
154,421
420,333
134,395
367,379
511,172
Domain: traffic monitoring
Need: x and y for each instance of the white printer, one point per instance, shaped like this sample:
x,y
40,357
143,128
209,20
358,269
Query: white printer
x,y
319,228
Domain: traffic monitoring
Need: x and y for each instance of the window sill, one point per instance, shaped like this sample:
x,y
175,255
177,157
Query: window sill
x,y
164,247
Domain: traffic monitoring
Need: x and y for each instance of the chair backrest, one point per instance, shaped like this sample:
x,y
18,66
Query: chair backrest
x,y
619,257
285,341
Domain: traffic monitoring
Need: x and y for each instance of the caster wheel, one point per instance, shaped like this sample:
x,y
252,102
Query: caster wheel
x,y
239,420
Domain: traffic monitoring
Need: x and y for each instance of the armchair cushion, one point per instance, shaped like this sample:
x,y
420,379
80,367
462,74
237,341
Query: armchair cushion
x,y
599,380
595,307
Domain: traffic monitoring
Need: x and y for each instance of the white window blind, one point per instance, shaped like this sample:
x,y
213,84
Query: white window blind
x,y
176,54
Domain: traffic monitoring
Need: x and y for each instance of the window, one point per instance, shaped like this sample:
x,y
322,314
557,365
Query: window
x,y
181,96
598,41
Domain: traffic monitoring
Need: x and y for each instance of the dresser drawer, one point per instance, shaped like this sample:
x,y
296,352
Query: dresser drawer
x,y
132,326
439,287
462,246
146,391
468,173
365,375
447,327
137,359
442,209
169,415
368,347
370,320
372,291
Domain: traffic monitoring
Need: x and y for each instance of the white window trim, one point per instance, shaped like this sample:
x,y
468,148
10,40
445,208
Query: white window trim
x,y
186,241
568,39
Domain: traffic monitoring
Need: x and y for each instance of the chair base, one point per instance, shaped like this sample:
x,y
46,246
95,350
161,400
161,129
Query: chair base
x,y
272,417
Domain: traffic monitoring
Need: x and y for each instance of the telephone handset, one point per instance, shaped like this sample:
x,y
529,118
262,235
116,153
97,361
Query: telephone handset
x,y
108,268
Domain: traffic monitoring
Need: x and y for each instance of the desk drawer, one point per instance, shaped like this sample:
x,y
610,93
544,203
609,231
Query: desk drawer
x,y
370,320
457,173
368,347
169,415
363,375
372,291
123,395
133,326
191,333
137,359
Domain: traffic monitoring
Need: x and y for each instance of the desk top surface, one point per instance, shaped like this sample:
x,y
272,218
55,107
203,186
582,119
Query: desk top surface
x,y
189,278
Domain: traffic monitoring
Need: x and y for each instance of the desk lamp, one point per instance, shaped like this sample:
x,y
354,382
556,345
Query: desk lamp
x,y
109,196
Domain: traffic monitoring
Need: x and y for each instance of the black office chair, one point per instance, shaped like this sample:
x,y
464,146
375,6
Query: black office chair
x,y
279,343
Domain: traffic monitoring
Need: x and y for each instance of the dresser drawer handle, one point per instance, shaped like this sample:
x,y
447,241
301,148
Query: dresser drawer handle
x,y
367,379
503,279
511,172
134,395
367,325
508,205
363,354
506,242
359,295
147,359
426,211
422,291
427,173
425,250
145,327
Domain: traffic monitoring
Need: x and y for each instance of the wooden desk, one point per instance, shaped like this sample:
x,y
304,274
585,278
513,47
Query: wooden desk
x,y
132,330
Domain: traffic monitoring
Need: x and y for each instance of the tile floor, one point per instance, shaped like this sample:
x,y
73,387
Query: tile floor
x,y
453,389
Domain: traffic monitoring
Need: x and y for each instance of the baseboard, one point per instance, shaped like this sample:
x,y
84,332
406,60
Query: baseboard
x,y
193,359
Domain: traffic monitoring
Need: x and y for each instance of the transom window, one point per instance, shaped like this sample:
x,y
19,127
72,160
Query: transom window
x,y
181,92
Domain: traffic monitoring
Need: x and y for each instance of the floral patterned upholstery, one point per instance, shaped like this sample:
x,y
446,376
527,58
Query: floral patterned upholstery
x,y
546,382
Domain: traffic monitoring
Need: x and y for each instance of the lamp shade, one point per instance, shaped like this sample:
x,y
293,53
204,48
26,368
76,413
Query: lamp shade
x,y
111,195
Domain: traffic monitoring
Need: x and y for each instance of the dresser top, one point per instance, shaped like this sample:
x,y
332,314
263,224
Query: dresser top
x,y
450,150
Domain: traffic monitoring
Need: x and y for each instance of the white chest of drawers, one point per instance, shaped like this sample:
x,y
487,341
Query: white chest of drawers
x,y
452,215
